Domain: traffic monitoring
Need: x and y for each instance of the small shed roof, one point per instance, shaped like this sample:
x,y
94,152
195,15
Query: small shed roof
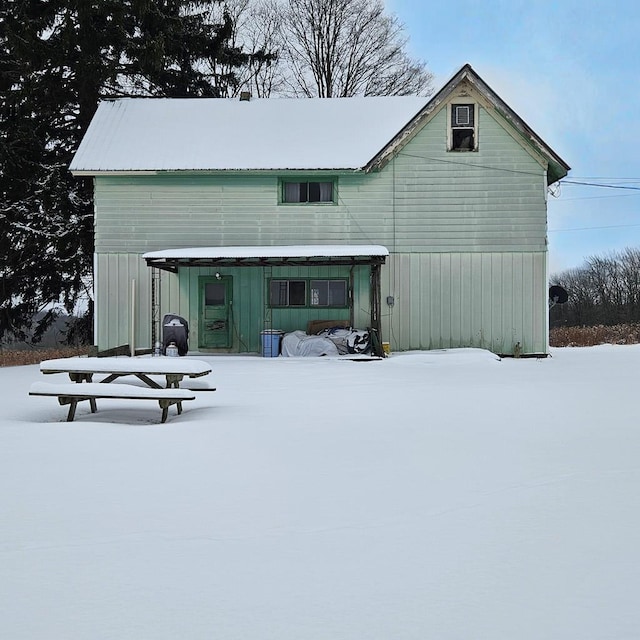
x,y
282,255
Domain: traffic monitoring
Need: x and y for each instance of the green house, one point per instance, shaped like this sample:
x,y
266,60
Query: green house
x,y
424,219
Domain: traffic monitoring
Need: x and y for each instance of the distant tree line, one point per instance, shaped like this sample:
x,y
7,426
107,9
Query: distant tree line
x,y
604,291
59,58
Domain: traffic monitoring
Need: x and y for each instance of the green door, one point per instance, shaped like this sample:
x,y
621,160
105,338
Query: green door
x,y
215,312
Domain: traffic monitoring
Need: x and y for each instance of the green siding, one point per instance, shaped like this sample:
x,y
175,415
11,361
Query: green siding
x,y
484,300
427,199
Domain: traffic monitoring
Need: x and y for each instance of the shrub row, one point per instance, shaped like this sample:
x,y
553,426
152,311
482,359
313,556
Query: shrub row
x,y
598,334
10,358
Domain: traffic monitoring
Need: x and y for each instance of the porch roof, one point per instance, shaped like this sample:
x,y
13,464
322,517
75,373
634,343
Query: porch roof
x,y
267,256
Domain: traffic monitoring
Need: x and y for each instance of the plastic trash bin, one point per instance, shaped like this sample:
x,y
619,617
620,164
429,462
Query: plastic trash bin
x,y
270,340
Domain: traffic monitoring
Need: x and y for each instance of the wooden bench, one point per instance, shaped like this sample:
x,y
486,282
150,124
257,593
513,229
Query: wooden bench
x,y
71,393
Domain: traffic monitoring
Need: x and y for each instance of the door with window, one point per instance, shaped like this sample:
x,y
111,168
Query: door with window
x,y
215,330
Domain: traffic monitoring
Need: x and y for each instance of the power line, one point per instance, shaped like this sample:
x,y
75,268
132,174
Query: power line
x,y
595,184
613,226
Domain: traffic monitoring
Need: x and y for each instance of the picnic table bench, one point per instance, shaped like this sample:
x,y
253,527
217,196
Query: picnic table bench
x,y
70,393
82,370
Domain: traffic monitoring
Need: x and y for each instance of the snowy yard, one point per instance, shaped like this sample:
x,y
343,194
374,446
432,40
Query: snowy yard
x,y
444,495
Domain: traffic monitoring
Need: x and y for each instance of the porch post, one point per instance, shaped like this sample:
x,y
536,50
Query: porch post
x,y
155,307
376,336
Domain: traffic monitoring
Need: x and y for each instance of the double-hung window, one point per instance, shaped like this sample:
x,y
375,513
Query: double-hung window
x,y
313,292
463,127
307,192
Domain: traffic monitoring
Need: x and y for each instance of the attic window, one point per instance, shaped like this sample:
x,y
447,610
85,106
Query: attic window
x,y
463,130
298,192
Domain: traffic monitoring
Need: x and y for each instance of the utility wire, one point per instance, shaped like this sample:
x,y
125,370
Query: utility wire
x,y
613,226
595,184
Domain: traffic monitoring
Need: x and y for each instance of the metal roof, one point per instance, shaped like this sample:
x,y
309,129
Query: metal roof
x,y
213,134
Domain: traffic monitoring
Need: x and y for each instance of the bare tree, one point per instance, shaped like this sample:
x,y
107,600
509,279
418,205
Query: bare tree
x,y
341,48
605,290
325,48
255,33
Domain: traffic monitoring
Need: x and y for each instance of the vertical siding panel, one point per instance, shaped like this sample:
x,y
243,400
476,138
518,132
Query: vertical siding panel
x,y
510,330
466,301
527,302
436,300
426,302
456,304
445,300
497,329
487,301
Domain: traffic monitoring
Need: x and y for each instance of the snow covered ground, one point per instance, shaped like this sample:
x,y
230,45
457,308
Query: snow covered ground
x,y
444,495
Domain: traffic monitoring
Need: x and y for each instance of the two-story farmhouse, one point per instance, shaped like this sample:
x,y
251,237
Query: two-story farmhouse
x,y
425,219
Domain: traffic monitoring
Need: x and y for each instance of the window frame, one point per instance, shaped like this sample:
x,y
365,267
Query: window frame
x,y
451,126
308,293
282,182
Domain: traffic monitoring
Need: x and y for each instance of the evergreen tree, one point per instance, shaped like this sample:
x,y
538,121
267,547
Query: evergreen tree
x,y
57,59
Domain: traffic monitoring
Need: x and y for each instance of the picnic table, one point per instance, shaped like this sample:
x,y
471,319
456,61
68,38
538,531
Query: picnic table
x,y
173,369
82,370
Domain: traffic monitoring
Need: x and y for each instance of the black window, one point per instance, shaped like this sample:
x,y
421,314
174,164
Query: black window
x,y
463,133
328,293
288,293
307,192
214,294
309,293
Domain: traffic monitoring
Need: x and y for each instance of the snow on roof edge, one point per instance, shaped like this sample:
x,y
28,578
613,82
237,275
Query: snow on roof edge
x,y
281,251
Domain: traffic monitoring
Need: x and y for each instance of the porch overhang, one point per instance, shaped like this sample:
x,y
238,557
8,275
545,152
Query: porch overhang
x,y
267,256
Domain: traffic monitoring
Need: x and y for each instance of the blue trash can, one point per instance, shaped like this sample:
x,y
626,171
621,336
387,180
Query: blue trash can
x,y
270,339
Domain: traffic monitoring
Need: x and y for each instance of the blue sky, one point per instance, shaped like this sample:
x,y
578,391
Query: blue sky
x,y
570,69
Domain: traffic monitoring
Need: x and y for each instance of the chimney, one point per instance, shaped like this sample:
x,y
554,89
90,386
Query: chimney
x,y
245,96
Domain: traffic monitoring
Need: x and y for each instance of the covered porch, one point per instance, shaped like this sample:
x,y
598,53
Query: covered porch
x,y
229,295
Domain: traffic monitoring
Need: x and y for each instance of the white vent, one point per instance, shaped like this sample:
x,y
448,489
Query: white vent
x,y
463,115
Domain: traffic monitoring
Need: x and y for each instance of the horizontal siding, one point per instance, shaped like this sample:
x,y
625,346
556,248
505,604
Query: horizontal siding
x,y
489,200
446,300
425,200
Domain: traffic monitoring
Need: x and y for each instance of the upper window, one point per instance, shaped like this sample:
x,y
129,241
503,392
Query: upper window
x,y
463,127
307,191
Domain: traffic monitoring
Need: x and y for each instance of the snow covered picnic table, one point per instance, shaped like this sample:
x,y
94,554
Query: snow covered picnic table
x,y
173,369
82,370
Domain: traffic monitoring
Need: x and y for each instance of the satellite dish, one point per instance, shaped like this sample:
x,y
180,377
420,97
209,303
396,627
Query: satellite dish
x,y
557,295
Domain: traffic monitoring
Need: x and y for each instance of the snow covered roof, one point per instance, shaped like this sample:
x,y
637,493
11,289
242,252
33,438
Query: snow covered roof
x,y
171,259
143,134
281,251
216,134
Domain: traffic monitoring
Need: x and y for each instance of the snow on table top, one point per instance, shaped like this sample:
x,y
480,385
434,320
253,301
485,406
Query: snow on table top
x,y
161,365
101,389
